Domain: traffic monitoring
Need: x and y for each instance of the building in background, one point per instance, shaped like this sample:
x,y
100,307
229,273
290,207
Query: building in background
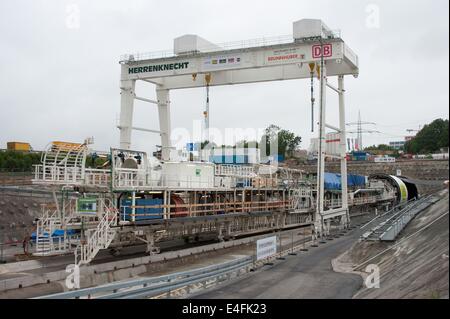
x,y
332,141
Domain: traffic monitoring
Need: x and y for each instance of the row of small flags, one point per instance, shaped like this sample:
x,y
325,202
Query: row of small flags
x,y
352,144
222,61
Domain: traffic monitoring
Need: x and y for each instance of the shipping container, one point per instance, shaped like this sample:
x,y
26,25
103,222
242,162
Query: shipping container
x,y
18,146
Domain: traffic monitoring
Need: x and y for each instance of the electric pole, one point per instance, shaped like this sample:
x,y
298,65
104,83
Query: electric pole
x,y
359,130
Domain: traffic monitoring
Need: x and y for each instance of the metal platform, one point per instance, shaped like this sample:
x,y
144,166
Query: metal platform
x,y
389,225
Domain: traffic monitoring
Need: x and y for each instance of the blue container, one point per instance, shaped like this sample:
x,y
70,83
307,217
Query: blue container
x,y
141,213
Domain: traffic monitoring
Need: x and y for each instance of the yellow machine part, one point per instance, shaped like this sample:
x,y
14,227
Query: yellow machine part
x,y
66,145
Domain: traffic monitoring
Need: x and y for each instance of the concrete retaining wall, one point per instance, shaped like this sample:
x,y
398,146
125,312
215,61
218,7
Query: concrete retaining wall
x,y
415,169
117,270
431,172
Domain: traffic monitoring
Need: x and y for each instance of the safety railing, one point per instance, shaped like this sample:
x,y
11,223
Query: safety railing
x,y
364,200
395,225
334,202
260,42
134,178
337,202
57,174
47,243
216,208
98,238
234,170
147,287
130,178
97,177
385,221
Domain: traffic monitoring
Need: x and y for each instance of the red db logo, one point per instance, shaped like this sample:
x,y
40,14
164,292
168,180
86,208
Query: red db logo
x,y
317,51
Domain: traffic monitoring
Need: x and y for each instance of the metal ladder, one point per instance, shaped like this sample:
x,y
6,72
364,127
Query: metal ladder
x,y
99,237
44,230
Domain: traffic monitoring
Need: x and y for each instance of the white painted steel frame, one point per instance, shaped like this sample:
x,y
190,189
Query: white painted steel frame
x,y
256,65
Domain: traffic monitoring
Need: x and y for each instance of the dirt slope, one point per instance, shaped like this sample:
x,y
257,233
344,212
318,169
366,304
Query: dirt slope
x,y
417,267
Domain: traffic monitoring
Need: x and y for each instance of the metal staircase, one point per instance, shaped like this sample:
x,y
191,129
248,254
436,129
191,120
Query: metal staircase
x,y
390,224
46,244
99,237
44,230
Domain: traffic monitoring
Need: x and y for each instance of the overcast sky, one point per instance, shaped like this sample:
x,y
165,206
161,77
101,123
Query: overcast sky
x,y
59,70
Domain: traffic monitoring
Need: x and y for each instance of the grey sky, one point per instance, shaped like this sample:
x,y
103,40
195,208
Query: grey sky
x,y
61,82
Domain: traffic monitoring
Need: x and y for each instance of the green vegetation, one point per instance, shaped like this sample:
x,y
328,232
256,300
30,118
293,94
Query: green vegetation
x,y
14,161
18,161
286,140
95,161
430,139
380,147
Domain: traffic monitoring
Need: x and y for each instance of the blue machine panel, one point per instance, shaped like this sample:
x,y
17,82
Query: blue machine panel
x,y
141,213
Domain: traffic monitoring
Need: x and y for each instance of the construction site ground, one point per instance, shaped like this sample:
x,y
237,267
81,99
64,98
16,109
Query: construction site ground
x,y
415,265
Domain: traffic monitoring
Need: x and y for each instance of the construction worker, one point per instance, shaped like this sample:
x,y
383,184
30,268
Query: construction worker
x,y
25,244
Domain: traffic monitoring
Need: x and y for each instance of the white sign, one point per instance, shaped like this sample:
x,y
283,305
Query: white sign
x,y
266,247
285,55
399,172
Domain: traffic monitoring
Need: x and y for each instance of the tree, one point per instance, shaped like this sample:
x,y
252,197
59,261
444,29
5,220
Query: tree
x,y
380,147
286,141
18,161
430,138
207,145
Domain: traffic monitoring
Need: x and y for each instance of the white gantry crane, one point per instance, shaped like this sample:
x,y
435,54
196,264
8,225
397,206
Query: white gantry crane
x,y
195,62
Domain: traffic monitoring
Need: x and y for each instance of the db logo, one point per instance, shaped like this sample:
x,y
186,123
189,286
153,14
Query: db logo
x,y
317,50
